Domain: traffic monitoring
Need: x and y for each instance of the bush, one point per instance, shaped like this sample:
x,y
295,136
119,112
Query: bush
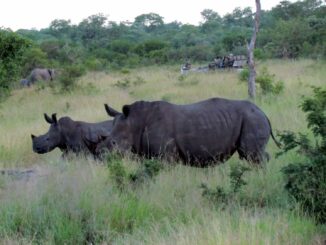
x,y
12,49
268,84
265,80
69,76
221,196
117,171
148,170
94,64
305,181
260,54
244,75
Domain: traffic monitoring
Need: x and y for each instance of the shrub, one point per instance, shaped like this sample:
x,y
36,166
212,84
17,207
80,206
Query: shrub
x,y
117,171
305,180
94,64
12,49
259,54
244,75
266,81
138,81
148,170
268,84
125,83
69,76
222,196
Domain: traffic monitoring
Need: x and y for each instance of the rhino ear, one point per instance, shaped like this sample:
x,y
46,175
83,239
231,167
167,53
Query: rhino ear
x,y
126,110
110,111
54,118
48,119
33,136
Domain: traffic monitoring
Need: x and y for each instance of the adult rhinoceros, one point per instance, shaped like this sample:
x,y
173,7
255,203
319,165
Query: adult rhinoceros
x,y
38,74
199,134
69,135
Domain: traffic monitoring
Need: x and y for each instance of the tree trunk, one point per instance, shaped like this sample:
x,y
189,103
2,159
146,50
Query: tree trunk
x,y
251,62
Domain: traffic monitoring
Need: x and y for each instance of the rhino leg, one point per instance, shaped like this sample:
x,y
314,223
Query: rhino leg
x,y
253,140
254,157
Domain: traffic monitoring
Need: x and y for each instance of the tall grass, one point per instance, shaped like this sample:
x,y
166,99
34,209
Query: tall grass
x,y
76,201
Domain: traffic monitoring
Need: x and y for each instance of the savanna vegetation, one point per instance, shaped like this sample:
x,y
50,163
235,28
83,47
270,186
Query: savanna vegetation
x,y
133,201
289,30
46,199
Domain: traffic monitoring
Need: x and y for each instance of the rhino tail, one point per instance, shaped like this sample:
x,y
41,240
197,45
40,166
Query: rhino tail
x,y
278,144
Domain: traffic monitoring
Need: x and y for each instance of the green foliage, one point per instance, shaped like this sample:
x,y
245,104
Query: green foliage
x,y
217,196
289,30
222,196
265,80
69,210
94,64
152,49
268,84
69,77
305,181
34,57
236,174
244,75
148,170
121,46
127,82
259,54
12,50
138,81
117,170
234,39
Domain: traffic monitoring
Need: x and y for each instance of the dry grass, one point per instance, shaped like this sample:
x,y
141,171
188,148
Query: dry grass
x,y
170,209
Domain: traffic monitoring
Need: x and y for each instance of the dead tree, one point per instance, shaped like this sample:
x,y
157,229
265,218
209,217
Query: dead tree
x,y
251,62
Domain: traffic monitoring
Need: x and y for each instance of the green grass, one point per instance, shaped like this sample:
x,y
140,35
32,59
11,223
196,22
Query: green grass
x,y
76,201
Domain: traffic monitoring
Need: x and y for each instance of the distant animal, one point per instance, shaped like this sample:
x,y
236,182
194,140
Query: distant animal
x,y
69,135
185,68
25,83
39,74
199,134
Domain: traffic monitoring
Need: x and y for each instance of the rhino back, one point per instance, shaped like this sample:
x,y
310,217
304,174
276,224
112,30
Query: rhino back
x,y
93,130
38,74
202,130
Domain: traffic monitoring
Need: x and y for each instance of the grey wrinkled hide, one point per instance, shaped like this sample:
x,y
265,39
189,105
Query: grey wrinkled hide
x,y
199,134
41,74
69,135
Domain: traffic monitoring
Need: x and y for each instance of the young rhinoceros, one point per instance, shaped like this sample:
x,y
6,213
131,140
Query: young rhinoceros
x,y
69,135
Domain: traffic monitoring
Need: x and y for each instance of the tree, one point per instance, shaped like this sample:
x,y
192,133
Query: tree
x,y
149,22
251,47
212,21
239,17
93,31
60,27
12,50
